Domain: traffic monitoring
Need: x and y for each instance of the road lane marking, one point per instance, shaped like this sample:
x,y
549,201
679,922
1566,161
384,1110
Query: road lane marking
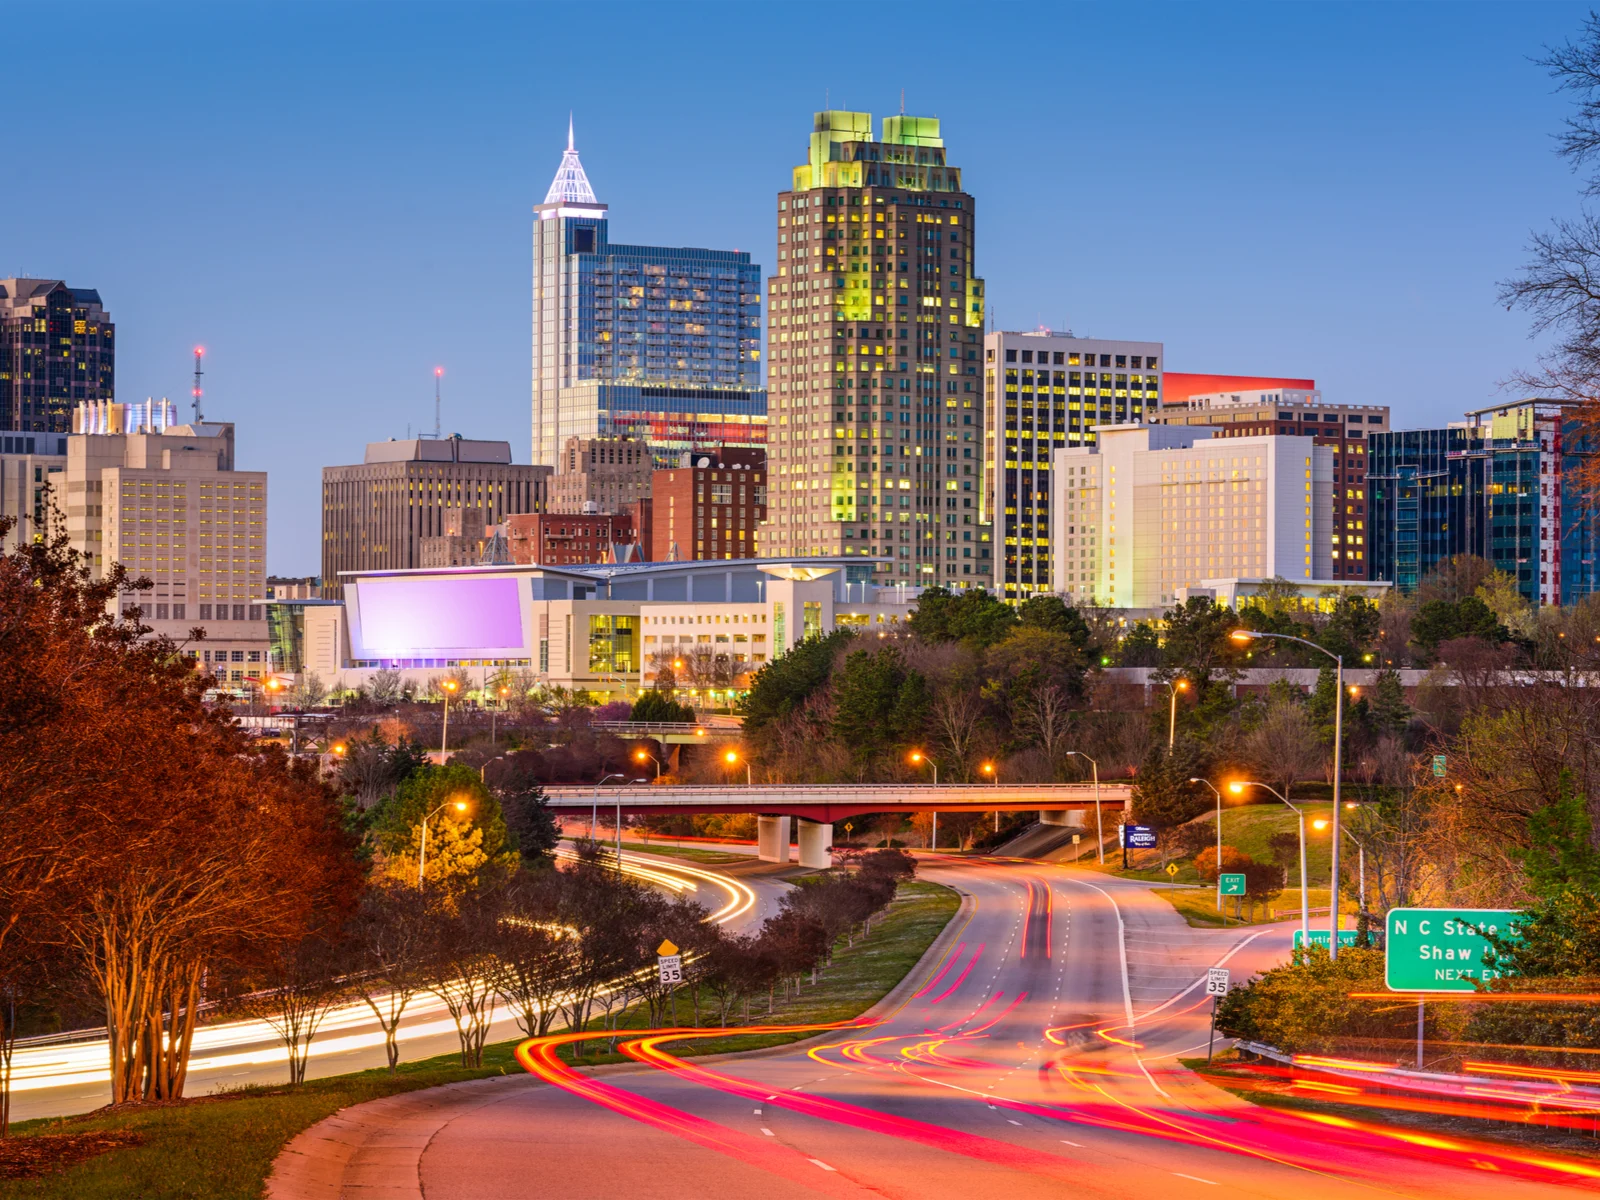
x,y
1009,1121
758,1112
826,1167
1079,1145
1197,1179
768,1132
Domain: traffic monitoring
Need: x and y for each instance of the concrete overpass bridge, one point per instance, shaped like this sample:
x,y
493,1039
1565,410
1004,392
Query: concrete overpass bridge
x,y
814,808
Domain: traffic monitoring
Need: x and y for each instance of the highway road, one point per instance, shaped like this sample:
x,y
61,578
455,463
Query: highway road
x,y
1037,1057
59,1077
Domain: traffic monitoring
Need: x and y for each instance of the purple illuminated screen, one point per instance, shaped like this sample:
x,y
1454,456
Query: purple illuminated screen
x,y
402,617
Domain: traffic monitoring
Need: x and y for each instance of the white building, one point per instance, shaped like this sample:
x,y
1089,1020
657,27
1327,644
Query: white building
x,y
602,629
30,463
1154,514
1044,392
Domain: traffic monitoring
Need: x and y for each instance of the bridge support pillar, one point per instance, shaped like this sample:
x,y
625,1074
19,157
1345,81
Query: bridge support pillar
x,y
816,843
1061,817
772,839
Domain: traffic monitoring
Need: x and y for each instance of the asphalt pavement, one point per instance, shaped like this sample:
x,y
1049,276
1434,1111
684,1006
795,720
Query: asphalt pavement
x,y
1037,1056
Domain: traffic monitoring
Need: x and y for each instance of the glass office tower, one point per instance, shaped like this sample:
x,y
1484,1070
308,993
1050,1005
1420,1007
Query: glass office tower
x,y
657,343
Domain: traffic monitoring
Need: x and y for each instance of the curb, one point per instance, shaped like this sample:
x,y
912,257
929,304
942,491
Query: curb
x,y
374,1149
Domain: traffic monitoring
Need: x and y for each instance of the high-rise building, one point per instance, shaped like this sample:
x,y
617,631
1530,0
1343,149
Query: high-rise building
x,y
1499,485
31,475
56,349
710,506
166,501
661,344
1042,392
876,319
1342,428
600,474
375,514
1426,503
1151,515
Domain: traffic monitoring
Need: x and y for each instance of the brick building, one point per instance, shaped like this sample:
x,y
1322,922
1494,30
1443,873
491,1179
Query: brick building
x,y
600,474
710,506
561,538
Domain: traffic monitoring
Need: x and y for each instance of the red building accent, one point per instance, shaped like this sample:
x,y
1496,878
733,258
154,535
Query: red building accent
x,y
1178,386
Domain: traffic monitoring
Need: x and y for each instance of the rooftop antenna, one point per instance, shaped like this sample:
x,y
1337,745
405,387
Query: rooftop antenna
x,y
199,354
902,102
437,372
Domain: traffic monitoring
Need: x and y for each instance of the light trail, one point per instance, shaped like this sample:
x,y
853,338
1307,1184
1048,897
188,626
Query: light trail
x,y
231,1045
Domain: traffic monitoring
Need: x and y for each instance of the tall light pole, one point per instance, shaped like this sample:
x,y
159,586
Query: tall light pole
x,y
448,687
594,809
641,754
1248,635
988,769
1361,851
1218,795
1237,789
494,713
1099,829
917,756
732,759
422,855
1176,686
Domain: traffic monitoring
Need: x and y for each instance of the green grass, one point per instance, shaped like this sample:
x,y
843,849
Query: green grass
x,y
222,1148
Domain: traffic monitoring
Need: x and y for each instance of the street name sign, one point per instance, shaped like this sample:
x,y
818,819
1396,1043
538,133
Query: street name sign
x,y
1319,937
1230,885
1441,949
1217,981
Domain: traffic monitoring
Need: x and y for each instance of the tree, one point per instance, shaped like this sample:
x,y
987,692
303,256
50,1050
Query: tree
x,y
1510,607
301,984
1234,862
955,719
970,615
656,705
1045,715
1162,794
1443,620
1306,1006
1387,707
1283,746
309,691
391,939
384,686
1141,647
459,965
1561,853
371,768
1197,638
866,690
1054,615
783,685
464,848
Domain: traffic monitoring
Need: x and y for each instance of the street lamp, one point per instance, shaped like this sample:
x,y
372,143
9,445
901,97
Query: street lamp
x,y
448,687
422,856
1099,829
988,769
1218,795
1247,635
1322,823
1176,686
1237,788
641,755
594,809
732,759
494,713
917,756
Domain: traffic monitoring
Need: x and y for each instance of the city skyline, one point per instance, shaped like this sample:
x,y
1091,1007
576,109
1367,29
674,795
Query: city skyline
x,y
1329,208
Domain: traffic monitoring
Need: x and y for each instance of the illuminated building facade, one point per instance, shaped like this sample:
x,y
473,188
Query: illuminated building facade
x,y
57,349
1044,392
1294,406
875,331
660,344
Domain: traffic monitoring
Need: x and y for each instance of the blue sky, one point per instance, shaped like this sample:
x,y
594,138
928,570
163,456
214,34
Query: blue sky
x,y
334,199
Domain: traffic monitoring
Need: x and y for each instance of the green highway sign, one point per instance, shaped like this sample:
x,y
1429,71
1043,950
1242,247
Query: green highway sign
x,y
1438,766
1319,937
1441,949
1230,885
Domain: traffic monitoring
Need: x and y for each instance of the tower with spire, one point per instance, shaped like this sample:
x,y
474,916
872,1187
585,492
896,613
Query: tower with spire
x,y
661,344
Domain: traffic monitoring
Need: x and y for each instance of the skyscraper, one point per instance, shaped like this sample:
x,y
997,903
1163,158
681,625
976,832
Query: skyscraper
x,y
656,343
1068,385
876,324
56,349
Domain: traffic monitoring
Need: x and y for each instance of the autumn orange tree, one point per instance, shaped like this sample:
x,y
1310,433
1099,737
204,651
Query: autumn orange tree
x,y
143,839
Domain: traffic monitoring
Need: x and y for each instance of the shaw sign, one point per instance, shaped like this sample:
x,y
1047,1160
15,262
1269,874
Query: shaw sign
x,y
1442,949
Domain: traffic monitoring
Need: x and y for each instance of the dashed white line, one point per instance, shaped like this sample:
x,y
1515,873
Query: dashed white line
x,y
1197,1179
1009,1121
768,1132
826,1167
1079,1145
